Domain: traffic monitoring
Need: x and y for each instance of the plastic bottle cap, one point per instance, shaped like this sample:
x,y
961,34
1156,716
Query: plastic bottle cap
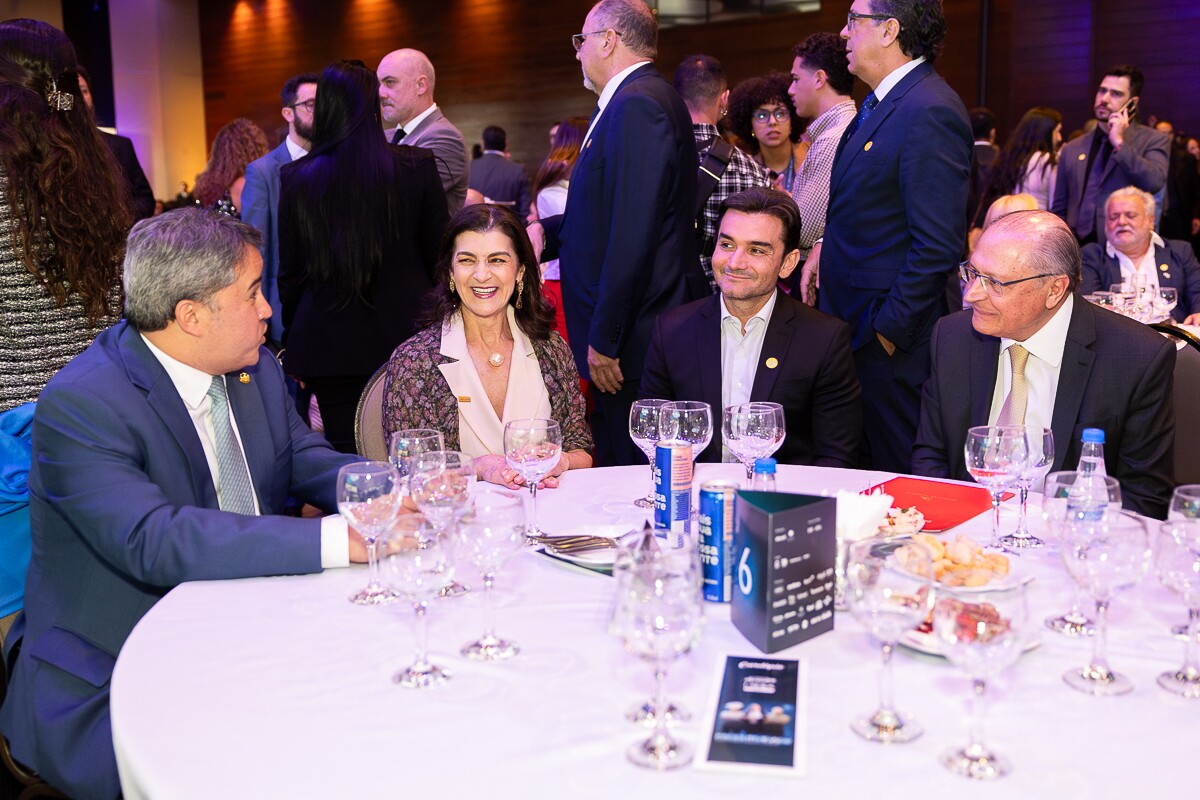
x,y
1093,436
764,465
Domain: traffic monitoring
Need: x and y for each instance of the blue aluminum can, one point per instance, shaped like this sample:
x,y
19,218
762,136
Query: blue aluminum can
x,y
718,501
672,485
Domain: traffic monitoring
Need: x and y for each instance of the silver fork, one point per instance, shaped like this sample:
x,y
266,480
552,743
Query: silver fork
x,y
581,545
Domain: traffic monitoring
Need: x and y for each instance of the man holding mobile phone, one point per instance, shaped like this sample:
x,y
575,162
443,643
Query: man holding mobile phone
x,y
1117,152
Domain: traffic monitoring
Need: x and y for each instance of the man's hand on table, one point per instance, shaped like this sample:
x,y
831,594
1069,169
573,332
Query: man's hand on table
x,y
358,547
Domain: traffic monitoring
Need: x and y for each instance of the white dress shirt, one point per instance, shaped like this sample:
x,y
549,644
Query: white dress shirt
x,y
192,385
1041,370
739,356
895,76
294,150
610,89
409,126
1143,269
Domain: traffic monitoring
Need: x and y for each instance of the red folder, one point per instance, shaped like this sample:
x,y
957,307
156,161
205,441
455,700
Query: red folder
x,y
943,504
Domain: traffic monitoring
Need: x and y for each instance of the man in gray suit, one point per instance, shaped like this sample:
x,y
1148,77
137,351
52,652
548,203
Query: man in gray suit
x,y
260,197
411,117
496,177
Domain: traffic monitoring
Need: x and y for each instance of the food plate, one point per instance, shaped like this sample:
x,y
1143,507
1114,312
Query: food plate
x,y
929,644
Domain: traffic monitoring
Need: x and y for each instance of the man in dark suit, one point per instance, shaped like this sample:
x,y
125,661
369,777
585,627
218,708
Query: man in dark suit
x,y
260,196
1031,351
896,223
983,128
126,156
1117,152
496,177
753,342
626,242
406,83
159,456
1134,252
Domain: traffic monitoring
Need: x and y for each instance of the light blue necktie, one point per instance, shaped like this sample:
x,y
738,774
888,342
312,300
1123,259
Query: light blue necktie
x,y
236,494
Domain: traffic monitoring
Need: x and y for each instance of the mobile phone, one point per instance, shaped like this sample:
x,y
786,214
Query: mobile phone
x,y
1131,105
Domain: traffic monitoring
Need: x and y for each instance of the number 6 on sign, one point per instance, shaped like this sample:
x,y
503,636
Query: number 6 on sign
x,y
745,576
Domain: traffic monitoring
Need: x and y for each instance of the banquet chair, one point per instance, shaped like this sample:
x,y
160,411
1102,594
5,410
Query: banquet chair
x,y
1187,389
369,438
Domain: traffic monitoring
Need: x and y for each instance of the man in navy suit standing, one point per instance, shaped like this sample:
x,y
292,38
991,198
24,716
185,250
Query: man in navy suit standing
x,y
626,242
896,224
161,454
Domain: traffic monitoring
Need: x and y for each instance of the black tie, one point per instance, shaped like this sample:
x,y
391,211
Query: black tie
x,y
867,107
399,135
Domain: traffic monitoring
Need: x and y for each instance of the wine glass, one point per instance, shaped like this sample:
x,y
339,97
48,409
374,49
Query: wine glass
x,y
1104,556
1185,502
368,496
1039,457
982,631
1055,502
750,431
490,532
687,421
441,484
781,425
889,597
532,447
1178,564
406,445
418,566
1165,301
643,429
660,616
996,456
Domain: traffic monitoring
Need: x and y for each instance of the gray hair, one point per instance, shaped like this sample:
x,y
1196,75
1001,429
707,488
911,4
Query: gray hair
x,y
634,21
185,254
1050,245
1132,191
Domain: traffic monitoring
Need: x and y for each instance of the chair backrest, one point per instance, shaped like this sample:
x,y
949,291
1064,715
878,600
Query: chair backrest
x,y
1187,389
369,438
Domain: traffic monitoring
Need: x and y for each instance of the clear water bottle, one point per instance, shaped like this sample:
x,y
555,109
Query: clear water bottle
x,y
764,475
1088,496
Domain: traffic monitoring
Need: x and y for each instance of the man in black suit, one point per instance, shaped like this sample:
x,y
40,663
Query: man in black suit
x,y
753,342
1031,351
983,128
126,156
497,178
626,242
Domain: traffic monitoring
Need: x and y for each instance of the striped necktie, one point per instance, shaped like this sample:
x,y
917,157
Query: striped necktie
x,y
236,494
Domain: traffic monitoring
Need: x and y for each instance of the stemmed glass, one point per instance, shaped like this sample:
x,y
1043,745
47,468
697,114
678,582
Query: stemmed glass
x,y
750,431
1185,504
687,421
532,447
408,444
1055,501
1039,457
643,429
418,566
996,456
441,484
982,631
490,533
1165,301
1104,556
659,616
1178,563
781,425
369,496
889,597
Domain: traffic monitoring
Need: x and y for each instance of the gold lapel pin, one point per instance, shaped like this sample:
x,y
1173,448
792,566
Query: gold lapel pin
x,y
1083,156
867,146
772,362
464,398
1163,267
244,377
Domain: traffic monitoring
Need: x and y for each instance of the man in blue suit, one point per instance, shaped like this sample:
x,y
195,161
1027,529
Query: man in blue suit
x,y
626,243
896,223
260,197
160,455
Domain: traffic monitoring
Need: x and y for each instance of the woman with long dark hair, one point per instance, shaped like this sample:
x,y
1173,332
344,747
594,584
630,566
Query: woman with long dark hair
x,y
1028,163
764,119
550,193
487,338
359,225
64,213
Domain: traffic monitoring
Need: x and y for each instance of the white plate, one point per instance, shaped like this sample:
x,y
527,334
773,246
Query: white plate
x,y
594,558
929,644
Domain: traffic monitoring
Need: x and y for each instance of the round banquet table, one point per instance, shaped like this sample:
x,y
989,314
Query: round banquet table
x,y
279,687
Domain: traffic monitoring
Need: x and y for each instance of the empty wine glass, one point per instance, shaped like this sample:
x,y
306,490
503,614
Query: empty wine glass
x,y
368,496
1165,300
490,533
1039,457
687,421
532,447
781,424
1105,556
441,484
406,445
1185,502
995,457
750,431
1178,564
982,631
643,429
889,598
417,567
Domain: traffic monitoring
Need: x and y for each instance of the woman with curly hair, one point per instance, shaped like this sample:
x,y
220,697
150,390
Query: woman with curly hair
x,y
763,118
64,213
219,187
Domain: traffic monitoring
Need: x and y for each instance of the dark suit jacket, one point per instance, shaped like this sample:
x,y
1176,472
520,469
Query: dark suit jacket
x,y
260,208
1141,162
502,181
325,337
1116,375
814,378
131,168
122,509
626,243
896,224
1182,272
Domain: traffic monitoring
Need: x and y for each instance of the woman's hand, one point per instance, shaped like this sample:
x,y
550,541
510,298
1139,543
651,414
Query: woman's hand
x,y
494,469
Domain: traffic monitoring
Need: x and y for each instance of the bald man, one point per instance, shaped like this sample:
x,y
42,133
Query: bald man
x,y
411,117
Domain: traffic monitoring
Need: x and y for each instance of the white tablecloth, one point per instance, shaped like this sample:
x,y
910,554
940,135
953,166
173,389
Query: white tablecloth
x,y
279,687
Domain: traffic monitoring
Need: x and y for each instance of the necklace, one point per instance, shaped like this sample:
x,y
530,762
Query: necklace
x,y
496,359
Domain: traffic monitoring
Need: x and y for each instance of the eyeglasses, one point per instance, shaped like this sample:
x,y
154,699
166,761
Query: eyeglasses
x,y
763,114
577,39
992,286
307,105
853,17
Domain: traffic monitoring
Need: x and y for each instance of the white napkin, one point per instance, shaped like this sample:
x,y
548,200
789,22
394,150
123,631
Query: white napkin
x,y
859,515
